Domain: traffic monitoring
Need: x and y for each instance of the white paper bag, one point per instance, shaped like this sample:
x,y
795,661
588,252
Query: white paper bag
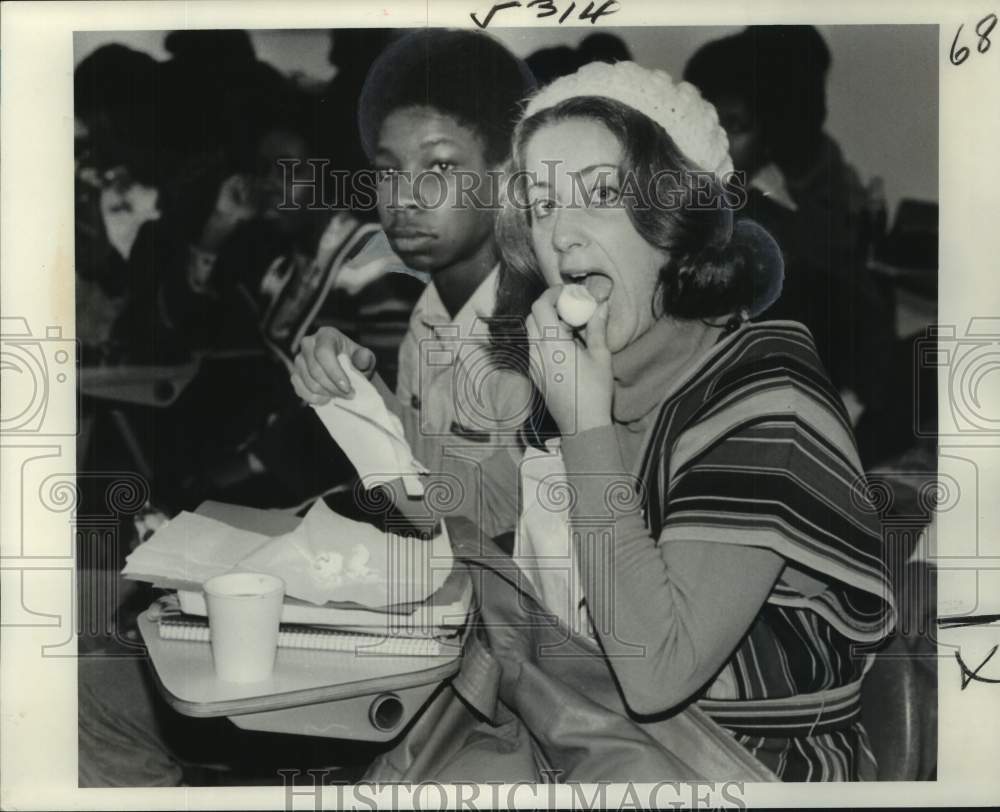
x,y
543,547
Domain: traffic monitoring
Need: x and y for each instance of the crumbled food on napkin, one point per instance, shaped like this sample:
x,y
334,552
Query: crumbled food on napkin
x,y
358,562
329,567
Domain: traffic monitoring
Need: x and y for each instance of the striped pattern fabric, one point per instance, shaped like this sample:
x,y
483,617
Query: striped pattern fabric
x,y
756,448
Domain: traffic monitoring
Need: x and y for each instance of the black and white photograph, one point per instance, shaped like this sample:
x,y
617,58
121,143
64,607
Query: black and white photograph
x,y
534,404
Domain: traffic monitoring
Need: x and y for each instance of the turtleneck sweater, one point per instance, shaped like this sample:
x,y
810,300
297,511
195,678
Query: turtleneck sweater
x,y
672,604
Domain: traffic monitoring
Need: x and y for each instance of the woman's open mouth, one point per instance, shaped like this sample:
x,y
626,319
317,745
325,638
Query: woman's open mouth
x,y
598,284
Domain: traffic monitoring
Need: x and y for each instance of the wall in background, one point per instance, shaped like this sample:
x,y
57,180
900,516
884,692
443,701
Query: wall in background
x,y
882,90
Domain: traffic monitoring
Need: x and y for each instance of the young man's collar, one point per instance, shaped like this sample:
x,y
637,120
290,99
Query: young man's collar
x,y
431,312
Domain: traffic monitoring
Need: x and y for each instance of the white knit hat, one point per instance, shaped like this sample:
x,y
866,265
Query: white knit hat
x,y
689,120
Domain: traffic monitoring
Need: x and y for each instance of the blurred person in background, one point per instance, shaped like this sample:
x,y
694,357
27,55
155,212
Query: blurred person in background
x,y
169,167
157,143
603,47
561,60
117,182
768,84
550,63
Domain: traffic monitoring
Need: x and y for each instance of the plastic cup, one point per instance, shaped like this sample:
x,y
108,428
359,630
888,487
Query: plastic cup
x,y
244,613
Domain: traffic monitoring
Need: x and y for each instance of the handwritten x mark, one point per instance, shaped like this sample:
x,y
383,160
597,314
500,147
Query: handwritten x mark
x,y
970,676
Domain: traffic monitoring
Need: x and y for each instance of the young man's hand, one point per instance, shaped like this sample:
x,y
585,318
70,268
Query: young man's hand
x,y
318,374
574,376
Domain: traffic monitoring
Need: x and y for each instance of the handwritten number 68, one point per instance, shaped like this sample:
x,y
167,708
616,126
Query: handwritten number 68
x,y
983,28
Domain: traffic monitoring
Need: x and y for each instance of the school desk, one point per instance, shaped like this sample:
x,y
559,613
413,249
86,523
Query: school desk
x,y
365,695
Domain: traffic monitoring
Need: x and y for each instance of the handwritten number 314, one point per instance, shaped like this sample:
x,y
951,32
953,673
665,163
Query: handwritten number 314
x,y
983,28
547,8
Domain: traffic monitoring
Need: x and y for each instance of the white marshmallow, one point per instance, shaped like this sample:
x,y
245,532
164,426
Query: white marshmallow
x,y
575,305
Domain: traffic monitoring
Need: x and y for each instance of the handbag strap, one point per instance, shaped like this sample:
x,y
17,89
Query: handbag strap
x,y
478,680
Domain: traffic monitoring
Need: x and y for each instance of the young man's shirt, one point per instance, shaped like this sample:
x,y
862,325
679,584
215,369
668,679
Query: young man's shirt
x,y
439,403
460,412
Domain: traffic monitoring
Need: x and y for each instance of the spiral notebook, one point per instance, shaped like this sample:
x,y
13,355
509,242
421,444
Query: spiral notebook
x,y
196,629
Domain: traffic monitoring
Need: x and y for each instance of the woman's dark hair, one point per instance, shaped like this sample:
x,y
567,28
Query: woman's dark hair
x,y
712,268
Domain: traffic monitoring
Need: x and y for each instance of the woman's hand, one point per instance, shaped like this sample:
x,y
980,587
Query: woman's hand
x,y
573,376
319,375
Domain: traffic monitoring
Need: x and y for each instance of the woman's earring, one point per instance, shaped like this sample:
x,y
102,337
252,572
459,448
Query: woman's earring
x,y
737,320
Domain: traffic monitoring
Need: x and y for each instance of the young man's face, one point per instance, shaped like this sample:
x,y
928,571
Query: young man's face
x,y
421,153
